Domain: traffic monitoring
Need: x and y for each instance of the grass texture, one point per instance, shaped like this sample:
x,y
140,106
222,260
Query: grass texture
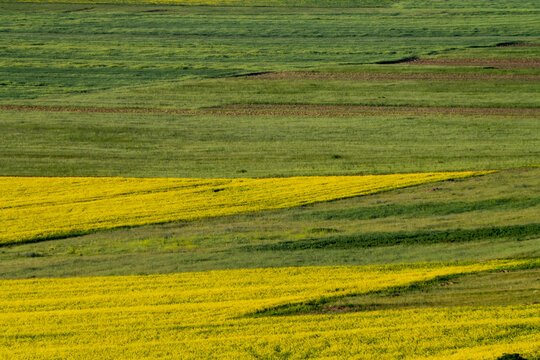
x,y
50,51
204,146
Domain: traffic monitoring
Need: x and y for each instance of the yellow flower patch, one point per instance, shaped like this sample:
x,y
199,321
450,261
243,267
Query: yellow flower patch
x,y
39,208
201,316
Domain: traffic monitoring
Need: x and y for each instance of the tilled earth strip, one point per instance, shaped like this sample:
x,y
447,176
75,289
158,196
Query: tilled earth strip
x,y
395,77
299,110
531,63
339,110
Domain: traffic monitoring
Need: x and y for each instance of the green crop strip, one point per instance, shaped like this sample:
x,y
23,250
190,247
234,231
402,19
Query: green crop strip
x,y
404,237
421,210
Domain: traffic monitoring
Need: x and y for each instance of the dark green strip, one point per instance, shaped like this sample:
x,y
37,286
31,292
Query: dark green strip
x,y
404,237
419,210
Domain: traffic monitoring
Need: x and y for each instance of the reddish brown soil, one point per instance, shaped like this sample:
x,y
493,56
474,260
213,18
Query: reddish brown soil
x,y
518,45
339,110
533,63
94,109
301,110
393,77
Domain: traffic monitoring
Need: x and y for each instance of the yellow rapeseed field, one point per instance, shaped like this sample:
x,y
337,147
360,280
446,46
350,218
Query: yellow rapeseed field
x,y
202,316
37,207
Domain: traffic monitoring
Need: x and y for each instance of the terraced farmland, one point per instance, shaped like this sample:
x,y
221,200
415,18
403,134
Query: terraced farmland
x,y
296,179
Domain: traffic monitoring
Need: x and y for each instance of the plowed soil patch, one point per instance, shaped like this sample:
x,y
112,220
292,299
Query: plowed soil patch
x,y
495,63
301,110
94,109
337,110
393,77
518,45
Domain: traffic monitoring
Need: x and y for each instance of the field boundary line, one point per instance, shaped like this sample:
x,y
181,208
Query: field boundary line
x,y
292,110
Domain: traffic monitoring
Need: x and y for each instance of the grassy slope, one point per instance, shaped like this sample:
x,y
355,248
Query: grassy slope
x,y
506,200
155,60
238,3
105,73
57,49
78,144
437,4
332,91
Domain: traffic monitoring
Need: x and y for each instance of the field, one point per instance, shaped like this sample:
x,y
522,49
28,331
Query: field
x,y
219,309
41,208
283,179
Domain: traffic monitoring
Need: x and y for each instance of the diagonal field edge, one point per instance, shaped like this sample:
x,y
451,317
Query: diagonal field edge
x,y
40,208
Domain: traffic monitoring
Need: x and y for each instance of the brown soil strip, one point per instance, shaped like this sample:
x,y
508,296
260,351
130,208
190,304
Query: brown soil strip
x,y
510,44
344,110
77,10
300,110
393,77
95,109
533,63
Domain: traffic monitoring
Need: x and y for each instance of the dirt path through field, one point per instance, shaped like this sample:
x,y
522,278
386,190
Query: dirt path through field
x,y
532,63
339,110
393,77
299,110
513,44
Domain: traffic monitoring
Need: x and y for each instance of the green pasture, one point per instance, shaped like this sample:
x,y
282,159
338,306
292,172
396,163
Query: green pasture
x,y
436,4
56,50
192,94
169,145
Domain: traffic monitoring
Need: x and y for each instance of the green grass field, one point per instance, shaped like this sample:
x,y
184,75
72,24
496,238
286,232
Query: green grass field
x,y
236,89
62,49
161,145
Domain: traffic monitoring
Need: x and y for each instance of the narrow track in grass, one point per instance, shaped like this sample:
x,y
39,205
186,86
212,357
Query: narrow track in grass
x,y
308,75
294,110
512,63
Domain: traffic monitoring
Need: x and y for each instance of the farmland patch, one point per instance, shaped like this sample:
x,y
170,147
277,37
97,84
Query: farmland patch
x,y
43,208
304,75
199,314
518,63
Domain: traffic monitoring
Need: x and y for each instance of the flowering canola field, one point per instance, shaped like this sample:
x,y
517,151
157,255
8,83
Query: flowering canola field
x,y
202,316
39,208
